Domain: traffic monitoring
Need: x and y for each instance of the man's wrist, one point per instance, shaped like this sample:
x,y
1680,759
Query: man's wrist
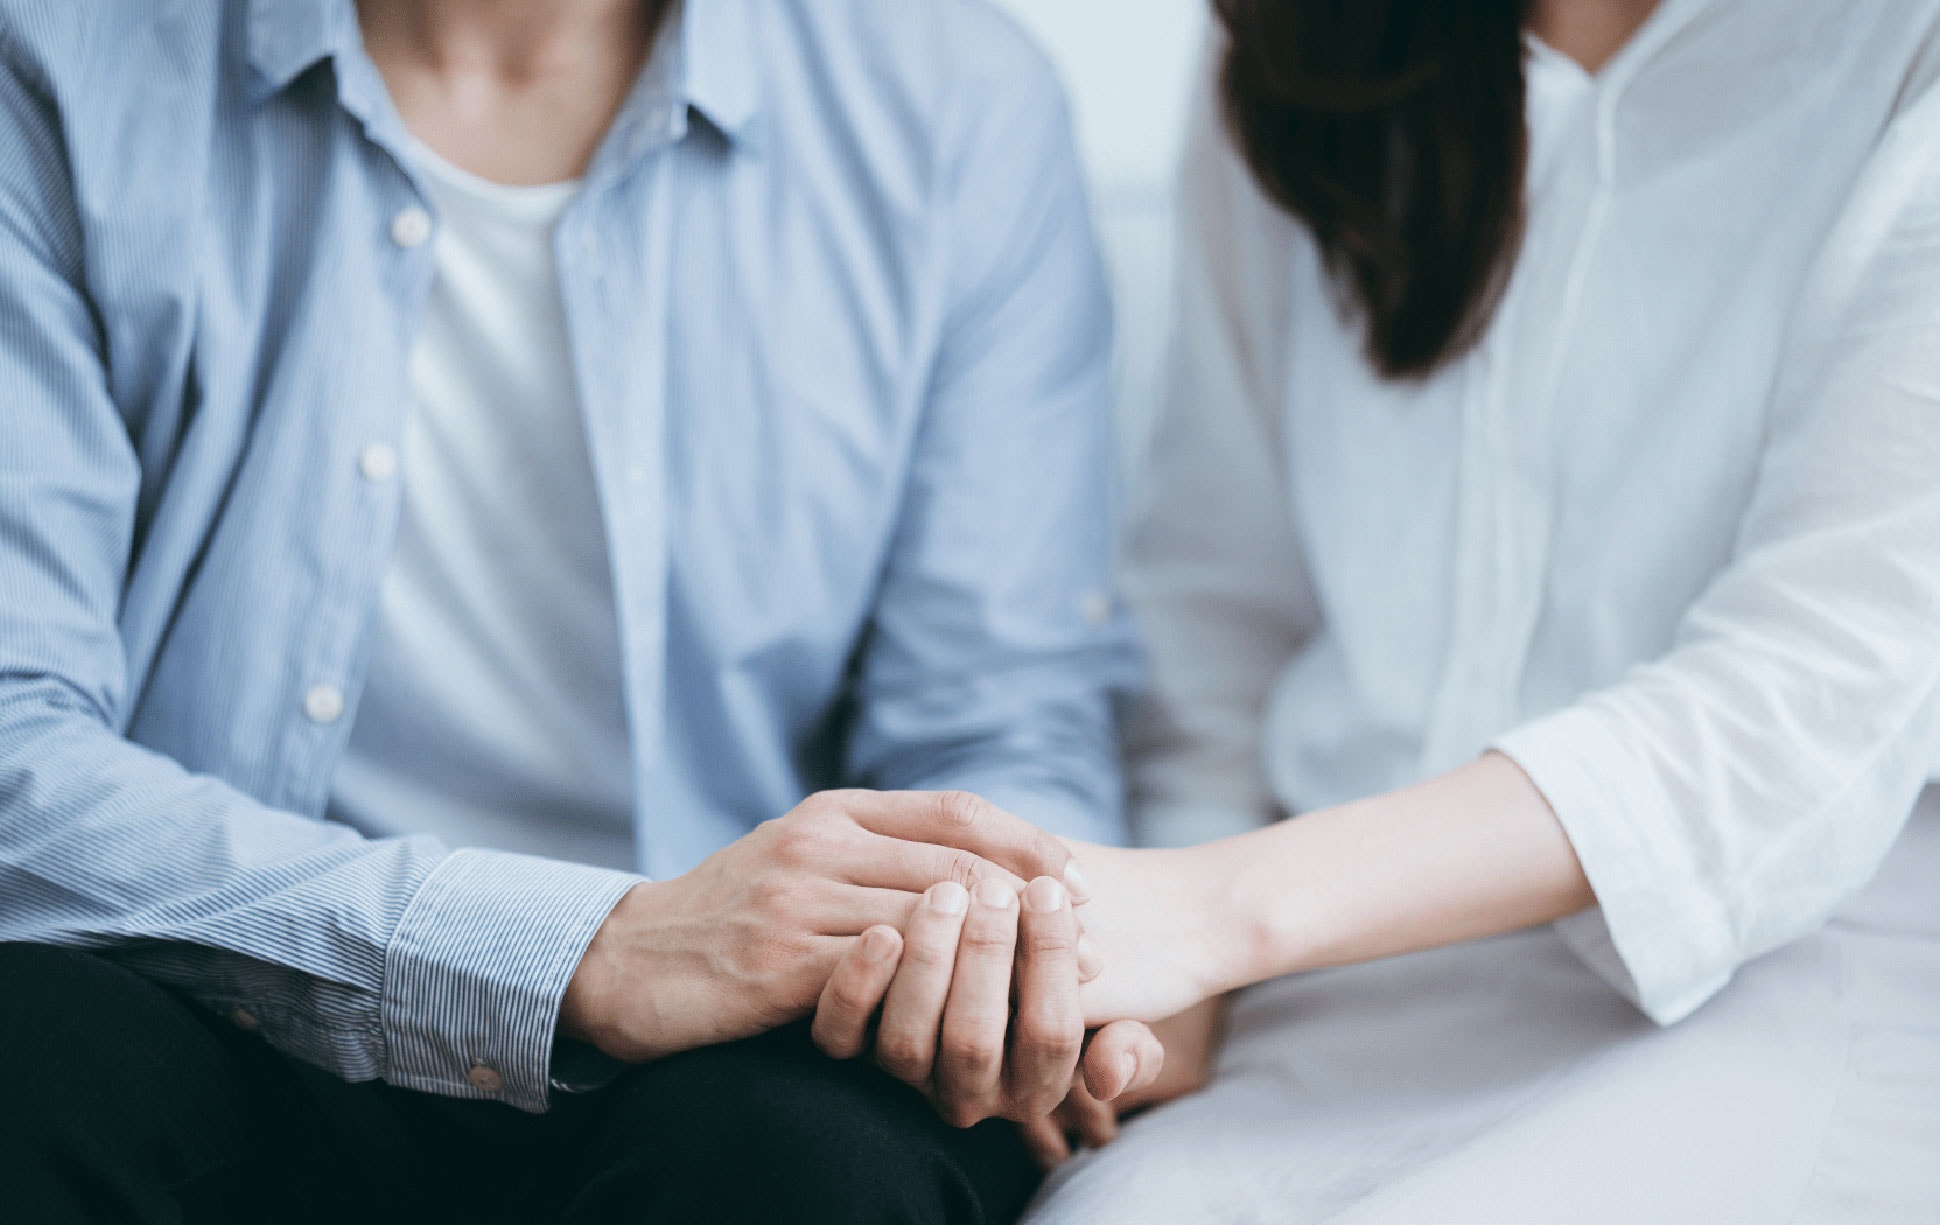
x,y
601,1006
476,969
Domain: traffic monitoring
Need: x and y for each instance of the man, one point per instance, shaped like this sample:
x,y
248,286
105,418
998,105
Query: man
x,y
575,432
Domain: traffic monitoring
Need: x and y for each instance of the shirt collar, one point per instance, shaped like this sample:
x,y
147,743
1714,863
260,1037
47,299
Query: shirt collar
x,y
722,81
714,71
286,37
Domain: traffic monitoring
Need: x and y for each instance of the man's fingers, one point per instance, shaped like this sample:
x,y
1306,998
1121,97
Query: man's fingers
x,y
1121,1057
1048,1030
883,862
1045,1138
970,1064
854,992
912,1011
969,823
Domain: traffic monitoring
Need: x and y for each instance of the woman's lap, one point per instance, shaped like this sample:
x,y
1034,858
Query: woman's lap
x,y
1503,1083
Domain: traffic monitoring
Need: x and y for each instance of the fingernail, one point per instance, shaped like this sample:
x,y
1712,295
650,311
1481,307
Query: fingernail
x,y
948,897
1127,1068
877,944
995,894
1074,880
1044,895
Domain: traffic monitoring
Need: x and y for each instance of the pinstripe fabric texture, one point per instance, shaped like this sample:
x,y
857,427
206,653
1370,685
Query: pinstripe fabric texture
x,y
841,340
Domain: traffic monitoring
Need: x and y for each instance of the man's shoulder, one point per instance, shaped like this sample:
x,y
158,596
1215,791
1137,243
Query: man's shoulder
x,y
77,50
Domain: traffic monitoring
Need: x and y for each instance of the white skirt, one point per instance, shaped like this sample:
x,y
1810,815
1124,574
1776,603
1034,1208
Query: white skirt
x,y
1501,1083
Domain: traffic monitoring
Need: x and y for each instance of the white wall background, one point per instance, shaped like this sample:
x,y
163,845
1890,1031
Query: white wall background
x,y
1128,66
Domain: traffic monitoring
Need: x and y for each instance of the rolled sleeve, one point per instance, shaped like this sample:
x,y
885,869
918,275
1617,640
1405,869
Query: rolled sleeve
x,y
1658,935
475,974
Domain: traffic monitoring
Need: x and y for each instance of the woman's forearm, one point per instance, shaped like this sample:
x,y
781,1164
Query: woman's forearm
x,y
1472,853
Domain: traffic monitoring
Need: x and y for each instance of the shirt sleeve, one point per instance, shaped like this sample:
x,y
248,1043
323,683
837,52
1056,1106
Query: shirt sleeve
x,y
374,959
996,645
1726,797
1216,575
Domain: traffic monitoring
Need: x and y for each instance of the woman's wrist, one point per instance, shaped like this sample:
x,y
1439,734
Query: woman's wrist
x,y
1235,939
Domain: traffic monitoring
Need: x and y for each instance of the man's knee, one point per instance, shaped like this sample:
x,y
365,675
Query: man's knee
x,y
113,1089
773,1130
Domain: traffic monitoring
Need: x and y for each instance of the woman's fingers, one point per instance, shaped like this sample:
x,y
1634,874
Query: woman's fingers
x,y
1044,1137
970,1063
1095,1122
912,1011
1048,1030
855,991
1121,1058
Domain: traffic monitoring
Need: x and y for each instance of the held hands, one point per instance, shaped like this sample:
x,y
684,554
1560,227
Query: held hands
x,y
944,989
746,941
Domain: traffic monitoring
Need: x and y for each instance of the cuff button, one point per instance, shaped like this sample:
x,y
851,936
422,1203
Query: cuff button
x,y
484,1079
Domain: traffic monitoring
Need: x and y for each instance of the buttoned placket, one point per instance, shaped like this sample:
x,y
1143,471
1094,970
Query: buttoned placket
x,y
610,280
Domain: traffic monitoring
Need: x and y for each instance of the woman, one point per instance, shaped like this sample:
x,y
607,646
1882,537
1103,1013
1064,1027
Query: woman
x,y
1553,457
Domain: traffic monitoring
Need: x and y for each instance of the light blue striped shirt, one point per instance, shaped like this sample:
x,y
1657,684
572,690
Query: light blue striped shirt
x,y
841,337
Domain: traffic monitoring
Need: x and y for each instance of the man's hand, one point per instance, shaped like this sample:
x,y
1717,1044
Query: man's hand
x,y
746,941
945,988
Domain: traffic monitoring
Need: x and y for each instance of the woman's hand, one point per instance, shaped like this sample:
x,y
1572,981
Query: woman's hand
x,y
1191,1041
1168,933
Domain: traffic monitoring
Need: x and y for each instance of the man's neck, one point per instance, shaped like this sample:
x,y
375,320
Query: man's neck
x,y
517,91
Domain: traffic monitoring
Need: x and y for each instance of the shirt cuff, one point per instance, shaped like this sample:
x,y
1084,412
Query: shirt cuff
x,y
476,970
1658,935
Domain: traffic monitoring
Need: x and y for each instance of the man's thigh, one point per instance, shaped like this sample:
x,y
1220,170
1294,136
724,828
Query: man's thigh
x,y
772,1130
118,1101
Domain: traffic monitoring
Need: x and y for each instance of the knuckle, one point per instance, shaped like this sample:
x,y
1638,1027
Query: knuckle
x,y
1050,939
965,868
775,892
903,1057
804,842
986,941
851,996
830,1040
1055,1032
927,951
960,810
974,1057
1049,852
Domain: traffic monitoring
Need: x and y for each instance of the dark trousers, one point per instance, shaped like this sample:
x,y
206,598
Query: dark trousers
x,y
121,1102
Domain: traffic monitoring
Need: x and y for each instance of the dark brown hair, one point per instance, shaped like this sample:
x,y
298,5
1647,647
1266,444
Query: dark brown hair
x,y
1393,129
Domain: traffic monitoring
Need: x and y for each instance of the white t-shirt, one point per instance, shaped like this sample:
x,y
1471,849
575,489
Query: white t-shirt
x,y
492,715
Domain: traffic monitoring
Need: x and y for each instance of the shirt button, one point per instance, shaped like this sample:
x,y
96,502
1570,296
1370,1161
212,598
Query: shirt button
x,y
242,1018
1097,608
411,227
323,704
378,463
485,1080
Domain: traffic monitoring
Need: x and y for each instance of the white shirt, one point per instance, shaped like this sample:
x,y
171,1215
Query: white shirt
x,y
492,715
1669,537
